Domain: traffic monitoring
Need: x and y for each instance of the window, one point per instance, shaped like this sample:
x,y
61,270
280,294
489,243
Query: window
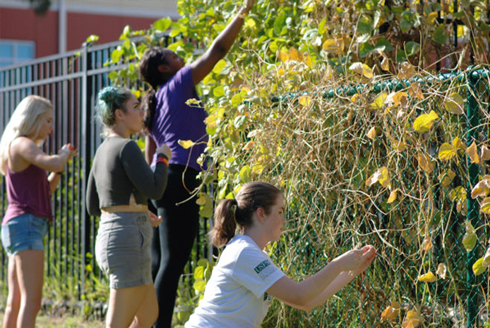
x,y
13,52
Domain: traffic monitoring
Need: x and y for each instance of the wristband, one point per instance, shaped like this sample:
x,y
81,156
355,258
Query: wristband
x,y
59,173
162,159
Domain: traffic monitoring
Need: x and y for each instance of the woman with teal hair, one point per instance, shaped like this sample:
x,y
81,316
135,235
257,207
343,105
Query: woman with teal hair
x,y
120,183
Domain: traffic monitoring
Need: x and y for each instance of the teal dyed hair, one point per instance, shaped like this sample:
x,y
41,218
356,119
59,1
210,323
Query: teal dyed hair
x,y
110,99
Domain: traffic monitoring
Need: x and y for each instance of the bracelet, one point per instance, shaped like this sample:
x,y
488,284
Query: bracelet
x,y
163,160
59,173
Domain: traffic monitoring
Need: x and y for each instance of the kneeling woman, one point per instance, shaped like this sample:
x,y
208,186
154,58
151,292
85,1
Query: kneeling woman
x,y
119,186
236,295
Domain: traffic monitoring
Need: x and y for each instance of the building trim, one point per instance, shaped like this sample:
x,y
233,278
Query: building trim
x,y
112,11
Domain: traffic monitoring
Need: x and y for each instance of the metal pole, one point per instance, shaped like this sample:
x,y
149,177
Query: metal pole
x,y
473,214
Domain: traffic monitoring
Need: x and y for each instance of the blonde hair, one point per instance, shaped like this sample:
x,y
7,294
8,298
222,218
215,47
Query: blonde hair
x,y
26,120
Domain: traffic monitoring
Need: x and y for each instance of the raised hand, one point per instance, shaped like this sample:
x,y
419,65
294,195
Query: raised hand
x,y
165,150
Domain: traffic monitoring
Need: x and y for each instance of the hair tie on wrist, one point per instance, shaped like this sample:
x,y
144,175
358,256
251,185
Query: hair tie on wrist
x,y
162,159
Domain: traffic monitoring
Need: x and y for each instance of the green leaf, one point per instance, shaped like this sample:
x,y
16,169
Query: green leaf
x,y
162,24
478,268
245,174
322,28
126,32
411,48
405,25
365,25
365,49
219,91
199,273
384,45
469,241
440,35
92,38
220,66
199,285
116,54
279,22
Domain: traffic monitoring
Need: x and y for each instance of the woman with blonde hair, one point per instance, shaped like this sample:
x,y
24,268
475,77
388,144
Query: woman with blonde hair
x,y
29,188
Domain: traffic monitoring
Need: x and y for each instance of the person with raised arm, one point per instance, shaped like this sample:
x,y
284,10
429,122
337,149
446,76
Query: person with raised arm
x,y
170,119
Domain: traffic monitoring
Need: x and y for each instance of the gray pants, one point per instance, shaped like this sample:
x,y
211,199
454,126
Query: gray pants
x,y
122,248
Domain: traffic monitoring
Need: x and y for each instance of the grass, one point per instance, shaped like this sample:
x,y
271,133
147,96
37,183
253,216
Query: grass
x,y
67,321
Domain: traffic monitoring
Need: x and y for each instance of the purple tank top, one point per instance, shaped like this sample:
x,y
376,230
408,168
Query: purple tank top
x,y
28,192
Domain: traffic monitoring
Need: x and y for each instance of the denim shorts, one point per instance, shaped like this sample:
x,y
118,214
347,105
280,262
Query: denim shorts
x,y
122,248
24,232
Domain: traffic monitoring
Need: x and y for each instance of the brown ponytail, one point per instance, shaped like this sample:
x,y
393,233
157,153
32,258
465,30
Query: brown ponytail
x,y
231,212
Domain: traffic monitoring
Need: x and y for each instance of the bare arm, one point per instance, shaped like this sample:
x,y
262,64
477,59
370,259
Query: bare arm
x,y
150,147
315,290
340,282
55,177
220,47
25,152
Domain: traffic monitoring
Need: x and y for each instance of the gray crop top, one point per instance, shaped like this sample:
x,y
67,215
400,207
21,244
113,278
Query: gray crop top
x,y
119,170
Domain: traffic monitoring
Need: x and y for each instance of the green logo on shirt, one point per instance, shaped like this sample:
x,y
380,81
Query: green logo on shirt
x,y
262,265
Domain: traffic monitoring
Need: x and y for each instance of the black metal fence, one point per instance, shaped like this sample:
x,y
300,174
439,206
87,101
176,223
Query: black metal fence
x,y
71,81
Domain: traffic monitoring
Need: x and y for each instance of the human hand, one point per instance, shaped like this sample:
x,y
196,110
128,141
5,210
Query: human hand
x,y
69,150
165,150
155,220
367,258
248,6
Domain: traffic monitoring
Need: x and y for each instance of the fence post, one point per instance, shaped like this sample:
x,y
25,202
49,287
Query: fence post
x,y
86,115
473,214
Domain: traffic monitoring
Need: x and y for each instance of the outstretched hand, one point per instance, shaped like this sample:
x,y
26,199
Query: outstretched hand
x,y
155,220
357,260
248,5
70,150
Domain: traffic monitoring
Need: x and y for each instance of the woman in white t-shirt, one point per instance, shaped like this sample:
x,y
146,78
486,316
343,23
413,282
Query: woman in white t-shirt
x,y
245,279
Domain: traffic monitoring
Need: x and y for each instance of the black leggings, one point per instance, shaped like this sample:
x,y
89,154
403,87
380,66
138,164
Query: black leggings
x,y
173,239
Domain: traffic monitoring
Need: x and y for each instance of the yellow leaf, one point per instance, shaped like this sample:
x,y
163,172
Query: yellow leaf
x,y
482,188
415,91
484,153
295,55
304,100
367,71
372,133
249,145
381,176
458,144
425,163
427,244
283,56
485,205
458,194
447,177
406,71
392,197
354,98
472,152
431,18
446,152
428,277
379,101
454,104
193,102
441,270
486,258
478,267
391,312
412,320
399,146
331,46
385,64
424,122
186,144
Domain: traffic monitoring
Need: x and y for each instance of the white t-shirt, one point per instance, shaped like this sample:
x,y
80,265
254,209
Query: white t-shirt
x,y
235,295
